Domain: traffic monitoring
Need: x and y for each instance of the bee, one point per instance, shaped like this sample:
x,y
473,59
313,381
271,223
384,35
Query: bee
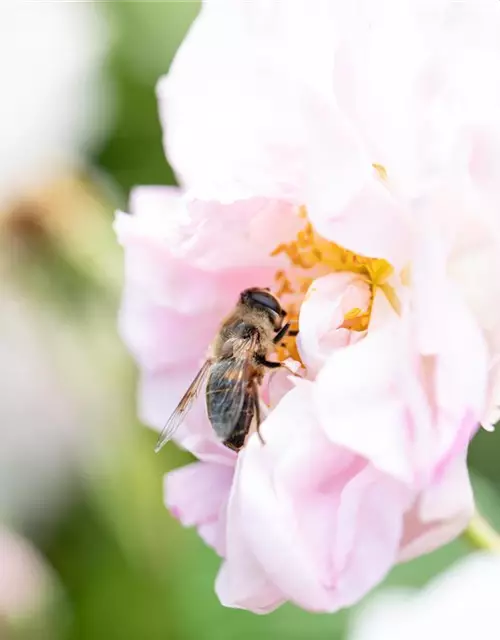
x,y
236,368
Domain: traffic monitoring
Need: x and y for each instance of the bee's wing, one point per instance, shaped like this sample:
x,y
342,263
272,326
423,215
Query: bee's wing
x,y
230,383
183,407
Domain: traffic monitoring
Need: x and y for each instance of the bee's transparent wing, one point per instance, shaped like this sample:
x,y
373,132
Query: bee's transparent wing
x,y
183,407
230,383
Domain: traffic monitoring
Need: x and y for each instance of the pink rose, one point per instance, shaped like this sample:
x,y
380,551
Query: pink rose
x,y
379,426
27,584
318,165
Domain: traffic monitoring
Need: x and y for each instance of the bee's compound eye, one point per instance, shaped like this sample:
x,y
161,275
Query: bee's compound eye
x,y
262,298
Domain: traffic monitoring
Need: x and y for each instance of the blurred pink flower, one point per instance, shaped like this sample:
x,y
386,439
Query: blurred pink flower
x,y
51,423
440,605
319,165
26,582
58,118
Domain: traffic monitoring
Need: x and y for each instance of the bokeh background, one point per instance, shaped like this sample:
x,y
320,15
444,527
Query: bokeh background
x,y
87,550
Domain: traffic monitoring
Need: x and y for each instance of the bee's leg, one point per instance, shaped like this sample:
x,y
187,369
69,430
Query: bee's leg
x,y
257,410
267,363
285,330
281,333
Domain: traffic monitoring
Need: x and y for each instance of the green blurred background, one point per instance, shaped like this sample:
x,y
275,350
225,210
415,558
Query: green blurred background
x,y
125,569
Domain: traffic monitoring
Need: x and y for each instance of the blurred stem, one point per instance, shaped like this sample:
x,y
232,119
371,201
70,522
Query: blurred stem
x,y
481,534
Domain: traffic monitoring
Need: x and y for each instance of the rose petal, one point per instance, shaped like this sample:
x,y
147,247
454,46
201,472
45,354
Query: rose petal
x,y
440,514
357,395
372,223
310,505
237,123
196,495
322,313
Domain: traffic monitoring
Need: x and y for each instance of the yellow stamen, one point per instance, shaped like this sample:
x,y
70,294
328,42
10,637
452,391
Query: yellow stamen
x,y
311,256
356,320
405,276
381,170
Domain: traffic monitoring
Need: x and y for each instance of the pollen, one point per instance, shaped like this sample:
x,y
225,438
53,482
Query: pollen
x,y
310,256
381,170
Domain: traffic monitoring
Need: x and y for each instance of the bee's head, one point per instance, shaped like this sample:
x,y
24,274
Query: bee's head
x,y
264,300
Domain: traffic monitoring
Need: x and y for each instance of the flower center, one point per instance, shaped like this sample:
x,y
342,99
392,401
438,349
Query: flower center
x,y
311,256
